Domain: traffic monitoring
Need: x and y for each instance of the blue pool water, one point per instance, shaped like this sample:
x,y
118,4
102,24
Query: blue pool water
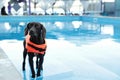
x,y
76,50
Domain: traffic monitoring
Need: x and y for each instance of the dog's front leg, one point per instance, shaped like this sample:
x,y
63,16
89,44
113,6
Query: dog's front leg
x,y
40,63
24,56
37,63
31,63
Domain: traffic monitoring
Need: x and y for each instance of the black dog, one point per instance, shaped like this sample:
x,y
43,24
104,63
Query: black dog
x,y
34,44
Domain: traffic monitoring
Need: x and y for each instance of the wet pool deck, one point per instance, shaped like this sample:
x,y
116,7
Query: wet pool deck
x,y
68,62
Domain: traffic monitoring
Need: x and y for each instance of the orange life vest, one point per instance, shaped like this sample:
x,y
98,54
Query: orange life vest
x,y
41,47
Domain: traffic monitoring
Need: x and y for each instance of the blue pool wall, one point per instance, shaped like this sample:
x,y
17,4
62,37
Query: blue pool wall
x,y
94,19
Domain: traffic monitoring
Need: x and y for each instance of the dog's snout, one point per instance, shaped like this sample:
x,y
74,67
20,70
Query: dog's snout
x,y
33,32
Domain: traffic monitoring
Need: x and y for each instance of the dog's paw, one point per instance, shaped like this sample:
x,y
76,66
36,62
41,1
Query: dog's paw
x,y
38,74
23,68
33,76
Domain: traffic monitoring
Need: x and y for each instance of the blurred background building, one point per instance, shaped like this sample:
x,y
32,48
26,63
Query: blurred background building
x,y
62,7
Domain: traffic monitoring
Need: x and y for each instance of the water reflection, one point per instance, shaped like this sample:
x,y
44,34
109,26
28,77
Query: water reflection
x,y
76,31
13,30
25,77
116,35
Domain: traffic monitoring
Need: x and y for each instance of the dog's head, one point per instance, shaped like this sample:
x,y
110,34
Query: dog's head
x,y
37,32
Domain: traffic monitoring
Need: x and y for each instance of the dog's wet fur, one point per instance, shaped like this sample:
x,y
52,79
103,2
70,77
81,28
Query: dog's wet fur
x,y
38,33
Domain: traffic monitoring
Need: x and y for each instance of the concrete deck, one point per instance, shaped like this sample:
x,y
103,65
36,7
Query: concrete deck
x,y
95,63
7,69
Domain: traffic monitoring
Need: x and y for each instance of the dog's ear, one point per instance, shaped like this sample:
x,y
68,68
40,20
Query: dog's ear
x,y
43,31
29,25
26,29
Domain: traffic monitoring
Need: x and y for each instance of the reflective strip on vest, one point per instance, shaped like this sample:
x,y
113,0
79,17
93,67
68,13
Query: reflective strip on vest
x,y
33,50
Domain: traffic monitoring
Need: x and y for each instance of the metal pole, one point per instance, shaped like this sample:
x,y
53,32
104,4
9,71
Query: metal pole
x,y
29,7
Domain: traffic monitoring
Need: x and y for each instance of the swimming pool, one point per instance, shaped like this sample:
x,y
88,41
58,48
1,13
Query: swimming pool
x,y
77,50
